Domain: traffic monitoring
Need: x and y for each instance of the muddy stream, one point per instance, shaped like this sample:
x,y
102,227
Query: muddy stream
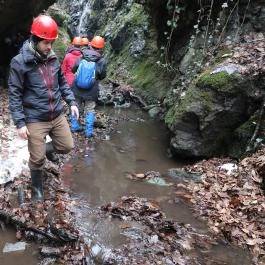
x,y
98,176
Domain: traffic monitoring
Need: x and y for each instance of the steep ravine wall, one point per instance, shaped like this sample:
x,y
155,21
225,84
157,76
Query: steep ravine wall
x,y
137,34
164,49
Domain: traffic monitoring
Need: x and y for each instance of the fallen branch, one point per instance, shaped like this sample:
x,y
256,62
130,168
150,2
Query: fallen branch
x,y
138,99
8,218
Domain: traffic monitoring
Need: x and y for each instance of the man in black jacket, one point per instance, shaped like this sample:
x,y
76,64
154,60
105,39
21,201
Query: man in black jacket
x,y
36,86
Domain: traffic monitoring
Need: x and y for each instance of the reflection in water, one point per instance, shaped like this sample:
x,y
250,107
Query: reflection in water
x,y
139,145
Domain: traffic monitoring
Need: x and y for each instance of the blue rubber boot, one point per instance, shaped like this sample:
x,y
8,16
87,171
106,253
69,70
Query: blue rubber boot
x,y
75,126
89,121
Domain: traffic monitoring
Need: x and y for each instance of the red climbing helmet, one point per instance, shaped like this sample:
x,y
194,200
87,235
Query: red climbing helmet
x,y
44,27
77,41
98,42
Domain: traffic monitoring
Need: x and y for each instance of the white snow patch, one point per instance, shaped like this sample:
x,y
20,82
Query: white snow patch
x,y
14,154
229,167
48,139
12,247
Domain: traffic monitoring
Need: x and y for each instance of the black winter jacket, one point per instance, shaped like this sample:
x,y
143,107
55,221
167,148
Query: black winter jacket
x,y
36,86
101,72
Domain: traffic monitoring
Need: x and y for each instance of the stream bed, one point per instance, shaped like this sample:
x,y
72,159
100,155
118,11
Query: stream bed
x,y
101,173
138,145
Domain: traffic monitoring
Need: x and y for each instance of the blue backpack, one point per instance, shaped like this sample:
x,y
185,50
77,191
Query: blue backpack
x,y
86,74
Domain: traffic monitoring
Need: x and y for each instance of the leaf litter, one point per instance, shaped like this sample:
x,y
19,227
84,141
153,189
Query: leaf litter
x,y
232,203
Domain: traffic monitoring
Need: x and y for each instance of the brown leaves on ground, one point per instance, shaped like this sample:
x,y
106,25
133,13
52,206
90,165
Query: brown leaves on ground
x,y
234,202
51,222
249,53
155,240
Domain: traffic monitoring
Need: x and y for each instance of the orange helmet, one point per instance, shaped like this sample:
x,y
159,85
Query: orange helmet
x,y
44,27
77,41
98,42
85,41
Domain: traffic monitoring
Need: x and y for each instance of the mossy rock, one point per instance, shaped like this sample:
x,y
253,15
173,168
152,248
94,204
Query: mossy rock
x,y
150,81
221,81
245,131
204,99
241,137
137,15
59,16
61,44
135,18
222,55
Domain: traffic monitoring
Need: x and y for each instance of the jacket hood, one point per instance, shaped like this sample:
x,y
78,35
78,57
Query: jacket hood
x,y
29,54
91,55
75,51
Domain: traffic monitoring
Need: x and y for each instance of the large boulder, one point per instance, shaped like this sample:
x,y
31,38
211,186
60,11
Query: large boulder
x,y
205,117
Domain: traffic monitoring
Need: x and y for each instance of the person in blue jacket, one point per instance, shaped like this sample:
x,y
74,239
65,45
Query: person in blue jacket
x,y
86,98
36,85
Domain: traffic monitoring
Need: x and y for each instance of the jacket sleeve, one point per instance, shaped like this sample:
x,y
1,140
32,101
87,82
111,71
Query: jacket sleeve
x,y
66,91
101,69
64,64
15,91
75,66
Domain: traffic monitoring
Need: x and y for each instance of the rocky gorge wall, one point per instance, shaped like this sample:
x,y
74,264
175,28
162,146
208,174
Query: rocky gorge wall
x,y
178,55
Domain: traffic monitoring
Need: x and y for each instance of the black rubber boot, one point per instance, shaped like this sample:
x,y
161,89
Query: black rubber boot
x,y
36,185
50,154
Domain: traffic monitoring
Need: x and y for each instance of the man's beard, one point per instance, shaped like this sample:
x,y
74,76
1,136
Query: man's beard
x,y
43,55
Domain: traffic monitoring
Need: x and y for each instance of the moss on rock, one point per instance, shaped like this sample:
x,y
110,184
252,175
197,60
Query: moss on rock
x,y
137,16
193,99
241,137
149,81
222,55
60,45
171,117
59,16
221,81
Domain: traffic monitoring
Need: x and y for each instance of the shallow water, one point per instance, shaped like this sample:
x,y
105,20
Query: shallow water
x,y
139,145
99,176
27,257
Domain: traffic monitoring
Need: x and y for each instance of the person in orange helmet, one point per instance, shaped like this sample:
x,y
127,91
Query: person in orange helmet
x,y
70,59
86,98
97,43
85,42
36,85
